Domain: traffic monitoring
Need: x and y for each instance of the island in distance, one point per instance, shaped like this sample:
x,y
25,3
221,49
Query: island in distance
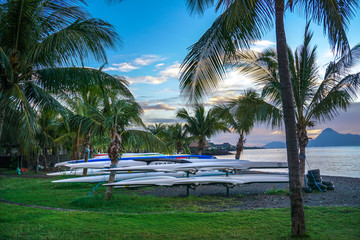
x,y
327,138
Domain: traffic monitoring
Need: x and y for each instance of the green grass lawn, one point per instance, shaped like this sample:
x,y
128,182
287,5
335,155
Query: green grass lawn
x,y
39,191
29,223
115,222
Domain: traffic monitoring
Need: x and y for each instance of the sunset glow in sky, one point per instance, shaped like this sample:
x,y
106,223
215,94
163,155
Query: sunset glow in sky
x,y
156,35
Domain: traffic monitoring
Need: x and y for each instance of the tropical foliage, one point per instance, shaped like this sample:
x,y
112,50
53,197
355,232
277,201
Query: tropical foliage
x,y
39,41
243,112
316,99
240,24
202,124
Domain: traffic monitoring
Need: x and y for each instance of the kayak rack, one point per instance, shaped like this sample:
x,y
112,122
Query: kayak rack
x,y
188,187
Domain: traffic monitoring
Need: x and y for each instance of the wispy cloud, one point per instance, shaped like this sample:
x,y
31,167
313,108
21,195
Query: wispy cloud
x,y
147,79
145,60
260,45
233,85
158,106
141,61
171,71
158,66
264,43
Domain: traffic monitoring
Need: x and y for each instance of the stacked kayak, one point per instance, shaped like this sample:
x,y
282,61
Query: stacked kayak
x,y
169,170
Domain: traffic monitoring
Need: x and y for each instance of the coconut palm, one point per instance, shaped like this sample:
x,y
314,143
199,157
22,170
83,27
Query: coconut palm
x,y
114,121
177,137
202,124
39,41
243,22
159,130
243,112
316,100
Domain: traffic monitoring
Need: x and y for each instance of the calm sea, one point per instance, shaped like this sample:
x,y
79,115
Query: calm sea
x,y
334,161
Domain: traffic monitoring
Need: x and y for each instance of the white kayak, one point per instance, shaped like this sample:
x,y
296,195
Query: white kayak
x,y
227,166
78,172
104,164
231,181
119,177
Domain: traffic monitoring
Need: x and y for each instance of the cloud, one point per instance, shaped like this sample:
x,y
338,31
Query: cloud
x,y
146,79
171,71
264,43
233,85
259,46
145,60
136,64
159,65
122,67
159,106
161,120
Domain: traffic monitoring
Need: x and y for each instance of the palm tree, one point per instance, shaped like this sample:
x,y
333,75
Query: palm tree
x,y
159,130
316,100
243,22
202,125
177,138
113,121
91,97
243,112
39,41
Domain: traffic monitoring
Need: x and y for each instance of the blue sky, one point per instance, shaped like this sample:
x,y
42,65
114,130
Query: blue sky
x,y
156,35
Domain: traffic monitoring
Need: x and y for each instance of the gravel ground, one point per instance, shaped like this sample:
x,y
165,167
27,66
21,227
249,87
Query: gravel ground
x,y
250,196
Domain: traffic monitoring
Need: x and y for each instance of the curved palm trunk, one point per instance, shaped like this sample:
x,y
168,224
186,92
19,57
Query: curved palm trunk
x,y
240,146
303,142
297,210
86,152
201,146
114,150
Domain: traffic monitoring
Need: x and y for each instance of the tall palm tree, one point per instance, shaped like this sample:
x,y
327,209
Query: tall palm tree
x,y
39,41
316,100
243,112
202,125
243,22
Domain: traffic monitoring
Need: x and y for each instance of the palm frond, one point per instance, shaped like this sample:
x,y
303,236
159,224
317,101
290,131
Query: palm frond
x,y
6,65
333,15
82,39
204,66
138,139
73,79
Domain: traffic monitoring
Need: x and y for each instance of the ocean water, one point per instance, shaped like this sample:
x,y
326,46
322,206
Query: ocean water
x,y
333,161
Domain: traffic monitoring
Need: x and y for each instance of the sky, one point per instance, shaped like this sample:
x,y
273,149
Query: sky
x,y
155,37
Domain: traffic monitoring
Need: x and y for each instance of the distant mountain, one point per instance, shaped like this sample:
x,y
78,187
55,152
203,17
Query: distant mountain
x,y
275,145
329,138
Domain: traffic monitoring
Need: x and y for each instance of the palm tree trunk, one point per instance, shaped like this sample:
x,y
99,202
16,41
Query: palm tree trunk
x,y
114,150
2,118
179,147
37,162
201,146
86,152
303,141
45,155
240,146
297,210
